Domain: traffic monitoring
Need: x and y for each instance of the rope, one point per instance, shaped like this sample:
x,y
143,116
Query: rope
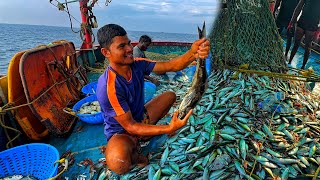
x,y
69,15
84,27
10,107
64,162
59,7
7,127
4,100
54,81
303,75
65,75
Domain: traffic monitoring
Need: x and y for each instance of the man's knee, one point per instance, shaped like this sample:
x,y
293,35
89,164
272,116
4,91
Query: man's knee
x,y
119,153
171,96
118,165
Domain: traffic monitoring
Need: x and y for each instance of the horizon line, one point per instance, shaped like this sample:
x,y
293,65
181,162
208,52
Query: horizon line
x,y
94,29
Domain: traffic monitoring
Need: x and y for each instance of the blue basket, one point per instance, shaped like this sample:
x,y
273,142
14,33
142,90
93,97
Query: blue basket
x,y
35,159
149,91
88,118
90,88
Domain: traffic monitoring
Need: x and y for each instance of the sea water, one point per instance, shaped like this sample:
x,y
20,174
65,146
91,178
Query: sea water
x,y
17,37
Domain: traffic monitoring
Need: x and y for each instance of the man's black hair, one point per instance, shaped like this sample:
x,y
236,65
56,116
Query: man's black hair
x,y
106,33
145,38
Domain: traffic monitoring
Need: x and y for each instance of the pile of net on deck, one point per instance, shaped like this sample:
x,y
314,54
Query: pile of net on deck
x,y
245,33
229,136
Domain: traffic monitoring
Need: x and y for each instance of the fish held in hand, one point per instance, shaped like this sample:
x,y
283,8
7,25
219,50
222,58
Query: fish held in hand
x,y
198,85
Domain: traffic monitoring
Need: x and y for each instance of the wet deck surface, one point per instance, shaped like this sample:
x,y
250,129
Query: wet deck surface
x,y
85,142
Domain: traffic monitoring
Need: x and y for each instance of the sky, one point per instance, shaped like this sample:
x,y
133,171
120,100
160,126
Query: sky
x,y
175,16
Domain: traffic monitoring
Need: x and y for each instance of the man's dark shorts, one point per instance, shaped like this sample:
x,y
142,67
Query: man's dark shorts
x,y
283,26
305,25
146,120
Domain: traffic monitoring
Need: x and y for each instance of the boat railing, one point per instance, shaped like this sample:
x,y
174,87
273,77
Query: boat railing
x,y
315,47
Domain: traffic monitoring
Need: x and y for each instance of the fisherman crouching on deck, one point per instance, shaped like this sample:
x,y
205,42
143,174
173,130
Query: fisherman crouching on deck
x,y
120,93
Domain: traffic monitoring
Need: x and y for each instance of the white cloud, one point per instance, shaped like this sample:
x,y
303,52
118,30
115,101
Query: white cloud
x,y
195,11
165,3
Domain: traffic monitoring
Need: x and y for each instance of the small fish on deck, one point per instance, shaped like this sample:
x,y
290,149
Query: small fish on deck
x,y
198,85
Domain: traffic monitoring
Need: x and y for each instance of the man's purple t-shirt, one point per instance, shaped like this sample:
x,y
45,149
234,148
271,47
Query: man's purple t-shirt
x,y
117,96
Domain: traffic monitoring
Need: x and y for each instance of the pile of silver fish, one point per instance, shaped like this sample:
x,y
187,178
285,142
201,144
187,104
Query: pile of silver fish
x,y
90,108
230,137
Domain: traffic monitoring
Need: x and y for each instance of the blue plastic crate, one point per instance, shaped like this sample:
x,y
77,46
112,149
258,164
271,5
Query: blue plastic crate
x,y
96,118
35,160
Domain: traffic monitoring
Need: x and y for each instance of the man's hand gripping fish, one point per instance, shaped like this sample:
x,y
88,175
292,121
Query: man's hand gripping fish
x,y
198,85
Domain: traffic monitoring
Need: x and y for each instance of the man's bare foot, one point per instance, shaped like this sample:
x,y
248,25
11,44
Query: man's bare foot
x,y
142,161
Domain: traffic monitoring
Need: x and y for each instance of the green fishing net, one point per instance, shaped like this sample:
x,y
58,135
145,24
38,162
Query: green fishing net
x,y
245,33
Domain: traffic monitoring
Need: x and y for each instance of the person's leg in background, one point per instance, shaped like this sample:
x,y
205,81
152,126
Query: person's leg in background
x,y
297,40
309,37
290,35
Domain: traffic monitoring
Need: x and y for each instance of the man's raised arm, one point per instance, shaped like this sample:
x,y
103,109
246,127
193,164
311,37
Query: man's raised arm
x,y
199,49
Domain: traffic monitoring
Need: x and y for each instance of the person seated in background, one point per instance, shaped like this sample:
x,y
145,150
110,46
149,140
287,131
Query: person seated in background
x,y
120,94
141,47
138,52
283,18
308,26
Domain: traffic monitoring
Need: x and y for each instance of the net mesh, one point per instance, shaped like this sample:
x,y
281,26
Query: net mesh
x,y
245,33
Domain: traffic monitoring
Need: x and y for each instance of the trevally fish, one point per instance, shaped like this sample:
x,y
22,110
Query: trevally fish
x,y
198,85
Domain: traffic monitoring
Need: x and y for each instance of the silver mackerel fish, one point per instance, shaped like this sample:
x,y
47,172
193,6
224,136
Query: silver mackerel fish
x,y
198,85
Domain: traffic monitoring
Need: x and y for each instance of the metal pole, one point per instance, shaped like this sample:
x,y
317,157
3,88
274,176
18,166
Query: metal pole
x,y
87,44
